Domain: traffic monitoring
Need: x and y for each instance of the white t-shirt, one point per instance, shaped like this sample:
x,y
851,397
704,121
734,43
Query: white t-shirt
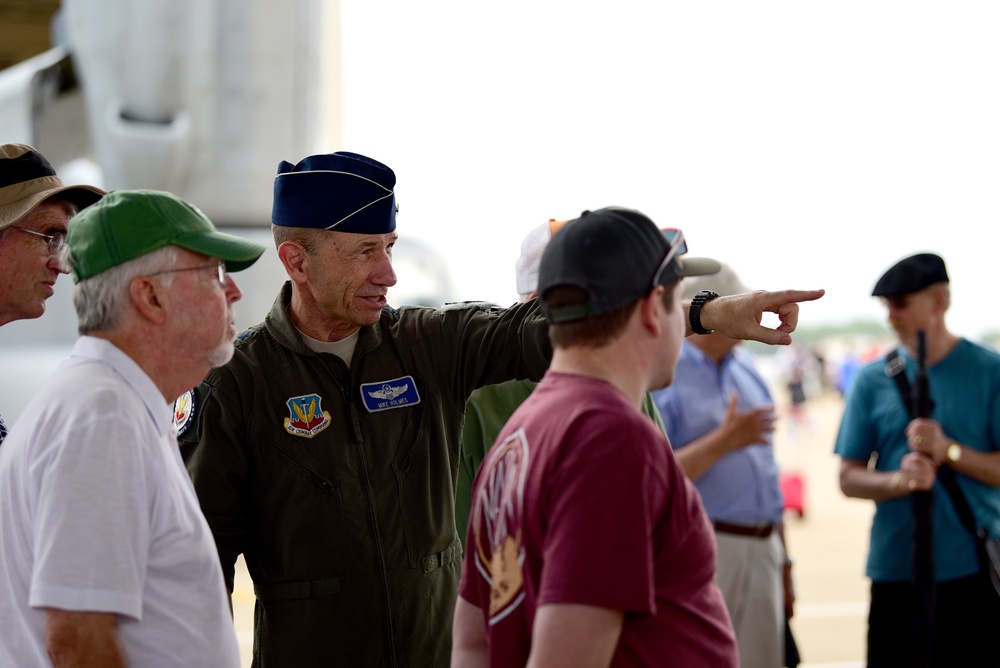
x,y
97,513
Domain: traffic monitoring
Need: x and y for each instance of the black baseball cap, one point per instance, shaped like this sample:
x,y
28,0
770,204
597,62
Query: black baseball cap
x,y
614,254
910,275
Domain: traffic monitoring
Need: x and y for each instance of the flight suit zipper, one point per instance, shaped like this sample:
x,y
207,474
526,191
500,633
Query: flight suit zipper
x,y
359,443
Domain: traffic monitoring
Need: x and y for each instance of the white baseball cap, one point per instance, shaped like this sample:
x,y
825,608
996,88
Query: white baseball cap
x,y
526,266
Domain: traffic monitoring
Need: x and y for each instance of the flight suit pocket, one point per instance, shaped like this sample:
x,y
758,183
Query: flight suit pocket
x,y
288,591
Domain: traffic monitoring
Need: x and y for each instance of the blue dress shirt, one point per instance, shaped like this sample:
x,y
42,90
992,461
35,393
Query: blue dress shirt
x,y
741,487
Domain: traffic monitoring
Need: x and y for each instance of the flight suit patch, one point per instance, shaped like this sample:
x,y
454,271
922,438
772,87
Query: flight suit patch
x,y
387,394
183,411
306,416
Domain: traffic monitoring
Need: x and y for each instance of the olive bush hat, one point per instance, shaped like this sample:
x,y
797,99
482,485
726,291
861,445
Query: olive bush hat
x,y
127,224
725,282
27,179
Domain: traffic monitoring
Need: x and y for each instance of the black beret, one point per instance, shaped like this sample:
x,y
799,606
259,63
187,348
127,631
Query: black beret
x,y
910,275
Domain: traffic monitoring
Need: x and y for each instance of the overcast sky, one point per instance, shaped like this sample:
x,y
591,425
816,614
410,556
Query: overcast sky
x,y
807,144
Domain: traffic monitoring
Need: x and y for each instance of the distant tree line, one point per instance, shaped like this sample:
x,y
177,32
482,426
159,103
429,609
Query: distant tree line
x,y
862,329
806,336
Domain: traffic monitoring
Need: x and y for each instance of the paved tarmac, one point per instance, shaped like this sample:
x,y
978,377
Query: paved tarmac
x,y
828,543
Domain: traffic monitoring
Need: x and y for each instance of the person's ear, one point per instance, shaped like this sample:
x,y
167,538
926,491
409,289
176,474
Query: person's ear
x,y
651,308
941,300
295,260
146,295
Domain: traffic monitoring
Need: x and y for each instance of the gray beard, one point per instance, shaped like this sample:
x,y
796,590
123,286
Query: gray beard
x,y
222,354
224,351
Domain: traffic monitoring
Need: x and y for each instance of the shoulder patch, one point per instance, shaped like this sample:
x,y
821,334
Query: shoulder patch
x,y
245,335
183,411
388,394
306,416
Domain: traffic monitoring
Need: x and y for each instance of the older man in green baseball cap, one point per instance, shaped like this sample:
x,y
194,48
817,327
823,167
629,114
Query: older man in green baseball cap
x,y
104,551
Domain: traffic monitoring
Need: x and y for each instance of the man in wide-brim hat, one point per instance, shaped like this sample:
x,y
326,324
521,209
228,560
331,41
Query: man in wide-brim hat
x,y
35,208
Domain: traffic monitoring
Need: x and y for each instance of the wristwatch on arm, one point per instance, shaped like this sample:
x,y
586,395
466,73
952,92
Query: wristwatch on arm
x,y
694,313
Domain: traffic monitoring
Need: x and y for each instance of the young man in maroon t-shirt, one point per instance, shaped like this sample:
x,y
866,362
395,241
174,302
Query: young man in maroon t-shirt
x,y
587,545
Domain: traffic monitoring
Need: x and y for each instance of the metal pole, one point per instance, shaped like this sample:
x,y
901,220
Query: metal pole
x,y
923,525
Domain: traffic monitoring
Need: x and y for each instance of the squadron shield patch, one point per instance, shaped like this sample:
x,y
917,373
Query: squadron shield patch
x,y
306,416
183,411
387,394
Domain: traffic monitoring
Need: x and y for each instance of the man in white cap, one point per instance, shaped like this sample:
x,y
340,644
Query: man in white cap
x,y
719,416
35,208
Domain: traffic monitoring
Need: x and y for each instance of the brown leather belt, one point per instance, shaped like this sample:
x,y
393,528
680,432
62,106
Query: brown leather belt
x,y
756,531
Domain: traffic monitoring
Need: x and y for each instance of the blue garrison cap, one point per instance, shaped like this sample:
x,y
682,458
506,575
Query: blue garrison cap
x,y
910,275
341,191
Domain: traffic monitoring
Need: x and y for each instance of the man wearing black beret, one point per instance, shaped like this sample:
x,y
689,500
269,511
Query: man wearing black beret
x,y
959,441
326,452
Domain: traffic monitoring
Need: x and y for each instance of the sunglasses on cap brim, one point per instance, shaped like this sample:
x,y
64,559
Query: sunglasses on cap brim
x,y
677,246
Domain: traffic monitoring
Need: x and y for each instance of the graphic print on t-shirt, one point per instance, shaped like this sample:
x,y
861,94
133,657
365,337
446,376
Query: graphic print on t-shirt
x,y
496,524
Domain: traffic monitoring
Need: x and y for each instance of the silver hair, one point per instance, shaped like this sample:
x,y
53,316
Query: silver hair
x,y
100,300
307,237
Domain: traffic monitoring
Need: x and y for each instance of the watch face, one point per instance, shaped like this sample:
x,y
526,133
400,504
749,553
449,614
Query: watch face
x,y
694,314
704,295
954,452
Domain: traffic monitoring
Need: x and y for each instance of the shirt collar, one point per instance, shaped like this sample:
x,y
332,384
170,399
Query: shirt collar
x,y
102,350
696,354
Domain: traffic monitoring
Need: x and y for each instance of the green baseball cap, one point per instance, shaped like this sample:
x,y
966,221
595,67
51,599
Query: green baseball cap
x,y
127,224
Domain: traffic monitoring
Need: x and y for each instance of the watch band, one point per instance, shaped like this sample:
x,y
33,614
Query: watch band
x,y
694,314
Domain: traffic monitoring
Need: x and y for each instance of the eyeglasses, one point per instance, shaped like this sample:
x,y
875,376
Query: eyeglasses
x,y
678,246
219,266
55,241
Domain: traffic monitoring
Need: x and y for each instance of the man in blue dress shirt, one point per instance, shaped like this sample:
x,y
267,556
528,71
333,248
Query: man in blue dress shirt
x,y
720,416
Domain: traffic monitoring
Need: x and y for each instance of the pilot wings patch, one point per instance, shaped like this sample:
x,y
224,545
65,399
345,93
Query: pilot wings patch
x,y
388,394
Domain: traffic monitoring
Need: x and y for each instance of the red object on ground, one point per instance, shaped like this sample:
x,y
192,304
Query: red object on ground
x,y
793,489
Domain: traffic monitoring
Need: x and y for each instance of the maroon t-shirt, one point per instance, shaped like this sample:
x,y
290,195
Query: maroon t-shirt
x,y
581,501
